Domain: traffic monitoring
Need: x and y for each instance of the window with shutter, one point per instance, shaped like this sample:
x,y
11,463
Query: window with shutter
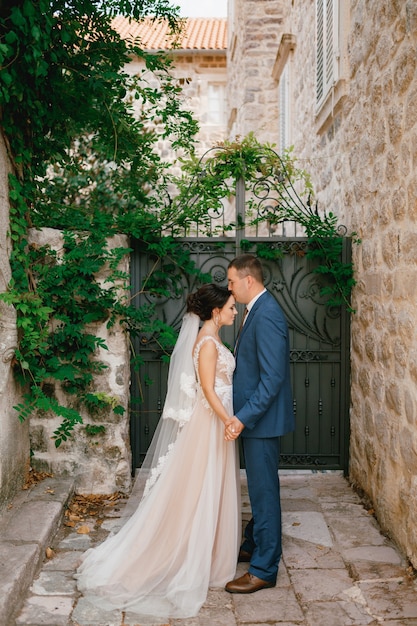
x,y
327,45
216,104
281,72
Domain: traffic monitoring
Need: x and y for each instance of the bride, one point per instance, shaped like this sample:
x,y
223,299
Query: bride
x,y
185,534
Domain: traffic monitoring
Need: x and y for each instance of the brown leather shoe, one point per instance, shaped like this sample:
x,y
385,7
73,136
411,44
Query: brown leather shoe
x,y
244,556
248,583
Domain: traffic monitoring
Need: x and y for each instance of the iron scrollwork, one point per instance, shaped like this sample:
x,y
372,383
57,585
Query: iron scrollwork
x,y
306,356
300,298
301,459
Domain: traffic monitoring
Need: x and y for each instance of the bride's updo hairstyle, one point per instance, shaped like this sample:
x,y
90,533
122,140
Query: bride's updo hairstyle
x,y
207,298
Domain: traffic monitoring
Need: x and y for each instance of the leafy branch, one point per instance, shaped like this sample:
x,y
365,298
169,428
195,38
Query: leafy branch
x,y
278,192
81,134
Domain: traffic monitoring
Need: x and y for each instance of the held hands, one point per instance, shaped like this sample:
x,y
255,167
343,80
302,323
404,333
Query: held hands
x,y
232,428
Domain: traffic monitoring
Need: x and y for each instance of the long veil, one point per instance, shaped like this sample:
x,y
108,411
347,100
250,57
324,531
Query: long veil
x,y
178,406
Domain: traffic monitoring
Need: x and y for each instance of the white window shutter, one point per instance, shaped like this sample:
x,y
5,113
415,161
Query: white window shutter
x,y
327,45
320,48
330,43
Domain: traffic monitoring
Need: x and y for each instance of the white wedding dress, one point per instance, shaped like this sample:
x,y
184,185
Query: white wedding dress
x,y
185,534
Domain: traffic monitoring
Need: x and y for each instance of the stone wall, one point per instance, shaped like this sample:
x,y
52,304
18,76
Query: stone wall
x,y
362,153
195,71
100,463
14,439
254,29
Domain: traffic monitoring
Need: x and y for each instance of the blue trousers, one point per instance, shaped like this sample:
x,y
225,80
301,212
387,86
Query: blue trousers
x,y
263,534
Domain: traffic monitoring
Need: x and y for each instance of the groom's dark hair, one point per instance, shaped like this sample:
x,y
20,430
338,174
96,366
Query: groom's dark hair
x,y
248,265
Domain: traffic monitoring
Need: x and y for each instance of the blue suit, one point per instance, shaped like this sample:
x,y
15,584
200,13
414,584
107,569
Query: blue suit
x,y
262,400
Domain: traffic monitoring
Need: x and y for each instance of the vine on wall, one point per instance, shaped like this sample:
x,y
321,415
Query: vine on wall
x,y
84,162
278,191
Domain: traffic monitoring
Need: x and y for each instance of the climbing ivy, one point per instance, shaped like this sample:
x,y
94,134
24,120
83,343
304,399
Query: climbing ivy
x,y
278,191
82,136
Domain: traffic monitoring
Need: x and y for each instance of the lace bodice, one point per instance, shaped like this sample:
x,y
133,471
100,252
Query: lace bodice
x,y
223,387
224,367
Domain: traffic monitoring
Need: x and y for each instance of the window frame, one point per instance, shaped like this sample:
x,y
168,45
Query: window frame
x,y
219,112
284,108
332,20
282,73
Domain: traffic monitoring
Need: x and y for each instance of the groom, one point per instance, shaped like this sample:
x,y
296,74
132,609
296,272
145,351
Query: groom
x,y
262,400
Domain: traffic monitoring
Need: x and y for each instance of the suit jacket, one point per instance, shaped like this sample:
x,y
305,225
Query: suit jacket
x,y
262,395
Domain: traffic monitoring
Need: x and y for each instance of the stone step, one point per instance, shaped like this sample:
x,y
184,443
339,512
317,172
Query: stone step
x,y
27,529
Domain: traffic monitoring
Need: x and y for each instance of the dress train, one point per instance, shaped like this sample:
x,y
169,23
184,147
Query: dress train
x,y
185,534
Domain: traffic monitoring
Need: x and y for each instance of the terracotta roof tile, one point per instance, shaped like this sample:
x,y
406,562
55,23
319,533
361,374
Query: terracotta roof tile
x,y
199,33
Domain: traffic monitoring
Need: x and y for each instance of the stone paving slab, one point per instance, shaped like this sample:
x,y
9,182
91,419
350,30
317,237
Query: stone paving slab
x,y
268,605
327,487
292,490
17,568
374,554
338,613
306,555
312,585
80,543
338,569
362,570
46,611
54,583
86,614
63,561
306,525
217,610
352,525
392,599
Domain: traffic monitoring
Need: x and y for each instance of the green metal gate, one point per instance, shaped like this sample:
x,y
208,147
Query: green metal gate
x,y
319,340
319,332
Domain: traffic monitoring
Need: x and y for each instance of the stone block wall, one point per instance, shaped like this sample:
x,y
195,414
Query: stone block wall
x,y
100,463
362,156
254,29
14,439
195,71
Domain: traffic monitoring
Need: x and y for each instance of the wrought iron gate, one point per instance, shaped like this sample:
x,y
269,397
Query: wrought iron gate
x,y
319,341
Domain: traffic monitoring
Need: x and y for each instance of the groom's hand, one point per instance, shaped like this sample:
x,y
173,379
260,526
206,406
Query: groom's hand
x,y
233,428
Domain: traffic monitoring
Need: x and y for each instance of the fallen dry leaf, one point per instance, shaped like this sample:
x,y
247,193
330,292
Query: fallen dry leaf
x,y
33,477
83,530
82,507
49,553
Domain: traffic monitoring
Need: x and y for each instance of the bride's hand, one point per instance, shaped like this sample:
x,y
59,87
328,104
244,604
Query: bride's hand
x,y
233,428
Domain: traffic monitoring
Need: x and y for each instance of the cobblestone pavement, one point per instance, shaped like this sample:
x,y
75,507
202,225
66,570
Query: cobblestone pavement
x,y
338,568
